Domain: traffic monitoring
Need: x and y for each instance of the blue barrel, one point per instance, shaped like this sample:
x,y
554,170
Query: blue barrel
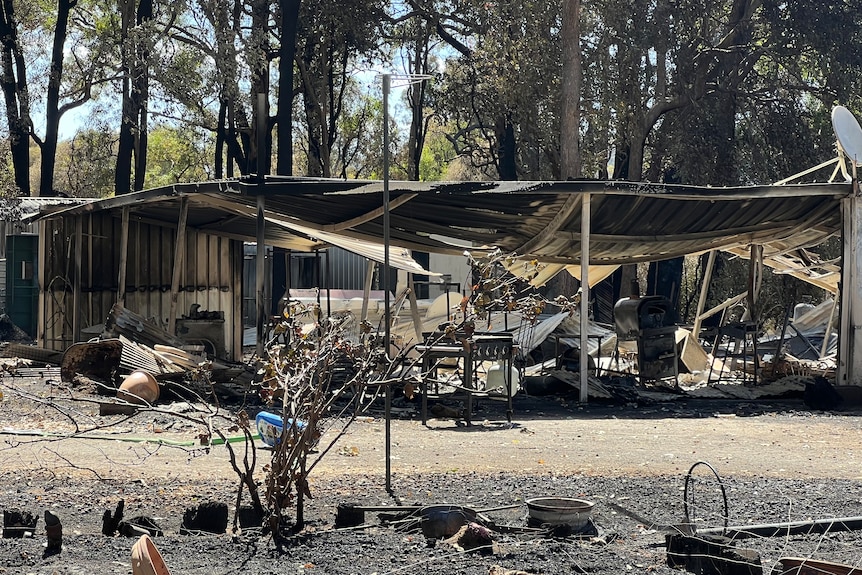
x,y
270,427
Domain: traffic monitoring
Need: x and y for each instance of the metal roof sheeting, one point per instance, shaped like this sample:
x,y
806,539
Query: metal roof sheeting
x,y
630,221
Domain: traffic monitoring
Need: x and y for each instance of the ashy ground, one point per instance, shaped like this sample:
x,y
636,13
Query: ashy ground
x,y
776,462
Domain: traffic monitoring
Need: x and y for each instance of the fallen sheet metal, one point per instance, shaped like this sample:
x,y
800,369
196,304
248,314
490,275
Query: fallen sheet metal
x,y
98,359
122,321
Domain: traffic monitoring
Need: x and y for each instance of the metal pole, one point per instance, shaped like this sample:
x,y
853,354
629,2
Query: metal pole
x,y
260,257
585,297
387,83
831,525
260,272
387,79
850,277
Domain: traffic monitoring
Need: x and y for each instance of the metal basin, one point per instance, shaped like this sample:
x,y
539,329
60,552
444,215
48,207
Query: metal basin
x,y
560,511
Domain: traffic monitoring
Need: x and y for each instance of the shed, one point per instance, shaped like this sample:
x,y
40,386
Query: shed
x,y
124,248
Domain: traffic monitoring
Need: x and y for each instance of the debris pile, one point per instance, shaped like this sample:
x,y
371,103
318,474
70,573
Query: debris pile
x,y
11,332
130,344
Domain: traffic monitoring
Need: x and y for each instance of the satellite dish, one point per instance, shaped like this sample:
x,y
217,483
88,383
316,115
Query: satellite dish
x,y
849,134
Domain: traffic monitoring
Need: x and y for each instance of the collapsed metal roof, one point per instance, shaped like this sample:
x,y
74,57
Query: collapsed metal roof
x,y
630,221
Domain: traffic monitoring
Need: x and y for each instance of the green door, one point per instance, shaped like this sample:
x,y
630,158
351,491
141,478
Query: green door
x,y
22,287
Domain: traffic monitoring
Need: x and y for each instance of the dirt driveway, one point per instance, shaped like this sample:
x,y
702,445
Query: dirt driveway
x,y
547,435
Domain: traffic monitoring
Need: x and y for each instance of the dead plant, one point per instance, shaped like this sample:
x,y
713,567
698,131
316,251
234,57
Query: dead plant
x,y
318,379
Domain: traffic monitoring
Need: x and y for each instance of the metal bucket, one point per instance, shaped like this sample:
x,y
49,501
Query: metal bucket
x,y
560,511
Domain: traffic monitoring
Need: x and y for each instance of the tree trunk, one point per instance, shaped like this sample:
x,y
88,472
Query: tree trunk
x,y
665,278
416,141
239,140
628,276
52,99
621,159
126,144
220,140
570,156
259,65
140,96
506,153
18,140
228,153
313,115
16,95
416,99
636,155
125,150
315,160
570,118
284,116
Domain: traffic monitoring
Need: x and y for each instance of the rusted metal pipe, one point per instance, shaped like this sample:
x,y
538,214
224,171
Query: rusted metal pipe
x,y
832,525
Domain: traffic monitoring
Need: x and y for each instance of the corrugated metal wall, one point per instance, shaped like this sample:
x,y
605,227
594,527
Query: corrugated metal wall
x,y
210,275
347,270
